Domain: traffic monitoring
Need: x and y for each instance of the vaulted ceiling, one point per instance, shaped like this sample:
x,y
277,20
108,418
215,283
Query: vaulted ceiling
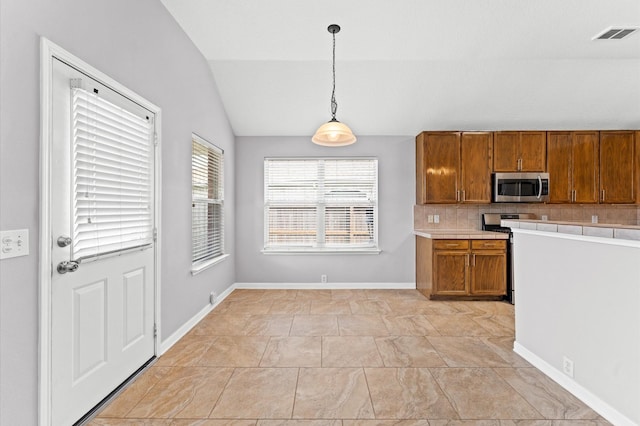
x,y
403,66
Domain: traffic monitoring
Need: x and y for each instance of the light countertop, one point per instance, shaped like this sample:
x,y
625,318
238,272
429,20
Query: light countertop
x,y
459,234
603,230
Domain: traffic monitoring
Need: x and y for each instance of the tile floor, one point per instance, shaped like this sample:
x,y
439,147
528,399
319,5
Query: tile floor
x,y
346,358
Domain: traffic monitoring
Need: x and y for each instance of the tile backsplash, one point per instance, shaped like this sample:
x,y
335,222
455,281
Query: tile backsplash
x,y
468,216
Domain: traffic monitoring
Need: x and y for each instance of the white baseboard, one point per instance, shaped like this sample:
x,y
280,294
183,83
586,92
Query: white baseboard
x,y
598,405
326,286
171,340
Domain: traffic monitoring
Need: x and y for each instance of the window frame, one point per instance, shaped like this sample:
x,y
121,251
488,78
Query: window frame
x,y
319,246
200,265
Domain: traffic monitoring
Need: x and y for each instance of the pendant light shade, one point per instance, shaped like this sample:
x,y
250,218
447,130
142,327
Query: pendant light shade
x,y
334,133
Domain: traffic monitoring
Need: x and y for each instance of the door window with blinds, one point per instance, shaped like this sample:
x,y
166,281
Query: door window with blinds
x,y
321,204
207,206
112,173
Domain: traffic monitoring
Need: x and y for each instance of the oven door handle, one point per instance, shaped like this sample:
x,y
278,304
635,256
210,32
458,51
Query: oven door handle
x,y
539,187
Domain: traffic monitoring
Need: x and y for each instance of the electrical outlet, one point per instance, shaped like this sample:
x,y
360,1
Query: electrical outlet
x,y
594,218
567,366
323,279
430,218
213,297
436,218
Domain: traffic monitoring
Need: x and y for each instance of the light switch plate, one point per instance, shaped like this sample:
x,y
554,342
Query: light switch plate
x,y
14,243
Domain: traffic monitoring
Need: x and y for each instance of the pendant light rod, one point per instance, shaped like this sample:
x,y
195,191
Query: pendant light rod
x,y
333,29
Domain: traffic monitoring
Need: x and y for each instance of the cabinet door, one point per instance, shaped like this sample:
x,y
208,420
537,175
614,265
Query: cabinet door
x,y
617,170
441,152
559,167
519,151
585,167
505,151
475,169
532,149
488,274
450,272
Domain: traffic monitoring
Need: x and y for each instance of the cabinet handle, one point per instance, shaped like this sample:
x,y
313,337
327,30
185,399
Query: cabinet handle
x,y
602,195
519,167
457,196
466,260
464,196
489,245
451,245
573,195
473,260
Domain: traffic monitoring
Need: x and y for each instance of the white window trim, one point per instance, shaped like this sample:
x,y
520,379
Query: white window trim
x,y
322,250
196,268
314,251
202,265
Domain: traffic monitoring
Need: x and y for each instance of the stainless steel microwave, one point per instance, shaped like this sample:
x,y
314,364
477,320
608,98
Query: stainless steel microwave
x,y
520,187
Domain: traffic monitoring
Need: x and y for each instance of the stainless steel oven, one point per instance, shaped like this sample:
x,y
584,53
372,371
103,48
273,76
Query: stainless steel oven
x,y
520,187
491,222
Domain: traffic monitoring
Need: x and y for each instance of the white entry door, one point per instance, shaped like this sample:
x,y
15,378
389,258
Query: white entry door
x,y
102,285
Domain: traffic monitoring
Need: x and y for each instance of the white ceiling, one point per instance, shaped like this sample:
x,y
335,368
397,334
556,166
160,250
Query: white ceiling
x,y
403,66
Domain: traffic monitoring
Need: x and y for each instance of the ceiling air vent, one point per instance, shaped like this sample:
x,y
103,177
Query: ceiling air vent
x,y
615,33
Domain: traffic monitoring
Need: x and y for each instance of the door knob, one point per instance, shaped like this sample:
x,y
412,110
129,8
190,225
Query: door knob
x,y
68,266
63,241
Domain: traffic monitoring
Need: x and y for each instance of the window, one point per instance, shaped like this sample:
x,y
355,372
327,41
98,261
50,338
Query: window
x,y
207,205
112,174
321,204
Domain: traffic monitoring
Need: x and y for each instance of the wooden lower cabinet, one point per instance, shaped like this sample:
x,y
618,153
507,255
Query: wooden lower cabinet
x,y
465,269
488,272
451,272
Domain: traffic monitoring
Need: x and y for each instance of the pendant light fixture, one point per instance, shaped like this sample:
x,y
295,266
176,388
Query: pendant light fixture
x,y
334,133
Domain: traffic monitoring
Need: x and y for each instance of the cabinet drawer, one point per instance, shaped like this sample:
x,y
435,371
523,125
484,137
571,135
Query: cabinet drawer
x,y
451,244
489,244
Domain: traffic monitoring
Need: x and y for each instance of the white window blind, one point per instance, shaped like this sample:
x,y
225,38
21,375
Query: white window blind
x,y
113,177
320,204
207,208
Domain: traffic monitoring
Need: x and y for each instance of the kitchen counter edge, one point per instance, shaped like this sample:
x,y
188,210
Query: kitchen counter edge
x,y
601,230
459,234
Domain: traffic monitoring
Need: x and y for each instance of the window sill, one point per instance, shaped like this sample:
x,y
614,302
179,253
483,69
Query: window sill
x,y
297,251
199,267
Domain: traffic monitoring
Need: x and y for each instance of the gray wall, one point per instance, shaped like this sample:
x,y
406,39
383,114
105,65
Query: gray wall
x,y
396,190
140,45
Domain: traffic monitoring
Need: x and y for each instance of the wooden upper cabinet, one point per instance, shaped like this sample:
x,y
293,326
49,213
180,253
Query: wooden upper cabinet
x,y
437,167
453,167
585,164
618,167
505,151
519,151
475,170
533,151
559,167
572,163
636,181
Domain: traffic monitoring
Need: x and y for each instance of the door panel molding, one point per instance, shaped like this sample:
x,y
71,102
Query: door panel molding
x,y
89,323
48,52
